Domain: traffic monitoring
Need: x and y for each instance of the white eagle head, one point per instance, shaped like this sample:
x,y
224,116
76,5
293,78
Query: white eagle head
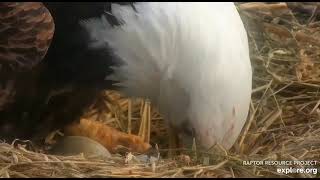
x,y
191,59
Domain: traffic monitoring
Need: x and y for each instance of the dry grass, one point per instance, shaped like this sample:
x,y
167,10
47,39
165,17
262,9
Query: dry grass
x,y
283,124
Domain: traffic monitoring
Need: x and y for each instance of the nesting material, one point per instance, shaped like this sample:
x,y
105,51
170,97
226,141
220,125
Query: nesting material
x,y
283,123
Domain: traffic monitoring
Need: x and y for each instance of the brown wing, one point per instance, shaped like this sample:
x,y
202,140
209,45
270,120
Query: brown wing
x,y
26,31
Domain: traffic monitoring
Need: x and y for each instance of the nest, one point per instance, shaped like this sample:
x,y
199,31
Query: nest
x,y
283,124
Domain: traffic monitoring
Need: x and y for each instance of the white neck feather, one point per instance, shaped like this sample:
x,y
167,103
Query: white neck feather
x,y
176,53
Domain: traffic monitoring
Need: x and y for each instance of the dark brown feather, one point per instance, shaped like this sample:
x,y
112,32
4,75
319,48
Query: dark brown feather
x,y
26,31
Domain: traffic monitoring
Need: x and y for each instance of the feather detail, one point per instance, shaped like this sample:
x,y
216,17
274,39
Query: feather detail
x,y
190,59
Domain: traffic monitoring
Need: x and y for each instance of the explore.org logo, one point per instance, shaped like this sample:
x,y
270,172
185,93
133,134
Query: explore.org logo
x,y
283,167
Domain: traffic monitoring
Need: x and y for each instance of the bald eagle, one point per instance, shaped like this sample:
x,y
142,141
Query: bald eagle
x,y
191,59
26,32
